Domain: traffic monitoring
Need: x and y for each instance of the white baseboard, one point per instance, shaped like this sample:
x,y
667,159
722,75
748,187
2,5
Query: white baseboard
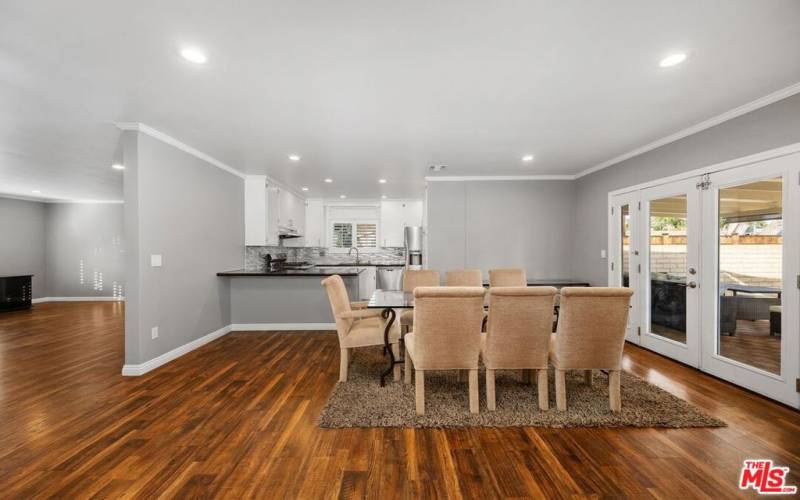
x,y
78,299
141,369
271,327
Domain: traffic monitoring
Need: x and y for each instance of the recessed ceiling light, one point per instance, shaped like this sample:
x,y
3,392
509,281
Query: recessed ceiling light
x,y
527,158
328,181
118,166
342,196
383,196
304,188
673,59
294,157
193,54
36,191
382,181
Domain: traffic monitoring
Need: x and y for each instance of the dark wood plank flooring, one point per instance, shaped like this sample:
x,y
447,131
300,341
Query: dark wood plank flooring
x,y
236,418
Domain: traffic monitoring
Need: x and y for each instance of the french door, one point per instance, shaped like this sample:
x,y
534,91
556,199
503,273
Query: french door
x,y
670,290
624,253
714,261
751,272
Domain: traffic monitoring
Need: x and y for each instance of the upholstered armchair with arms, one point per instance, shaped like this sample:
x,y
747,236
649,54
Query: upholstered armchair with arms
x,y
590,336
507,277
446,336
411,280
356,327
518,335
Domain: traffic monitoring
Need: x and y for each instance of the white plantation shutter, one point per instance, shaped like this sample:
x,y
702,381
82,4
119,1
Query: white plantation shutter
x,y
367,235
342,235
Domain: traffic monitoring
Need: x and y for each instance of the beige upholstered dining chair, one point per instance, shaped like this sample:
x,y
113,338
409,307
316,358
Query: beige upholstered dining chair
x,y
464,277
411,280
446,336
590,336
518,335
356,327
507,277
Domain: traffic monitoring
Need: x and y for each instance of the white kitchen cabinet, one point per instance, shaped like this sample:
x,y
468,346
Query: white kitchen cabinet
x,y
395,216
255,210
314,231
272,216
292,215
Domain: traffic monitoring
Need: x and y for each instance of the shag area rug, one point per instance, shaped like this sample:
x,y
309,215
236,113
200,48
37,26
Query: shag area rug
x,y
361,402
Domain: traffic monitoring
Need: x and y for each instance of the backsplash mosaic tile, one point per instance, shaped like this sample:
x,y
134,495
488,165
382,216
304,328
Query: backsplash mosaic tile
x,y
254,256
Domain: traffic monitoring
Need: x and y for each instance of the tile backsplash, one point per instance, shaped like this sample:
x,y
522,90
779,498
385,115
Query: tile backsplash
x,y
254,256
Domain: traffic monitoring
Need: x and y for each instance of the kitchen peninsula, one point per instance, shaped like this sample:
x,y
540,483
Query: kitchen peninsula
x,y
286,299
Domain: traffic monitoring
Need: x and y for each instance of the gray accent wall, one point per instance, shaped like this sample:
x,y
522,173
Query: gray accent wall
x,y
767,128
85,250
23,241
488,224
192,214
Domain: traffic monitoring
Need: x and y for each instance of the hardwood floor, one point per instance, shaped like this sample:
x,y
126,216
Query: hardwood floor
x,y
236,418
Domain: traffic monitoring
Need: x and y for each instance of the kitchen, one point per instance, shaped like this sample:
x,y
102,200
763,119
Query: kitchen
x,y
292,242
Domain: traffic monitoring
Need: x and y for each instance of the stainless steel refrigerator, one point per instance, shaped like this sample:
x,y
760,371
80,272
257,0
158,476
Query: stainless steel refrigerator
x,y
413,244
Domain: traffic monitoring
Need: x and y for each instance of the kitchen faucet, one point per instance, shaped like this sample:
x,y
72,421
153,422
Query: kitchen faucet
x,y
350,252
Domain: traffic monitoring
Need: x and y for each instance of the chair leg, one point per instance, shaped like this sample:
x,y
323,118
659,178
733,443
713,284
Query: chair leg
x,y
526,377
473,391
614,396
541,387
344,362
462,375
588,377
407,368
419,389
490,395
396,367
561,390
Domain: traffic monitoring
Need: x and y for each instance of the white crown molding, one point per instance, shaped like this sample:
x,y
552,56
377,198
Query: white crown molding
x,y
141,369
728,115
167,139
487,178
12,196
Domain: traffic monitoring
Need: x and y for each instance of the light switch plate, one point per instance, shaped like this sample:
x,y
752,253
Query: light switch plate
x,y
603,254
154,332
155,260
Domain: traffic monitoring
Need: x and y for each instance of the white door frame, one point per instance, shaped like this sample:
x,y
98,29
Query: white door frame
x,y
632,200
688,353
782,386
790,355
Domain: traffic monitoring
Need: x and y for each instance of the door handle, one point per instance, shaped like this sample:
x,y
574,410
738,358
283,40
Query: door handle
x,y
692,284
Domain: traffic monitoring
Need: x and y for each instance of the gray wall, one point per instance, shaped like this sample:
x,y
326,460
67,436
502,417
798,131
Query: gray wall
x,y
487,224
85,252
192,214
767,128
22,241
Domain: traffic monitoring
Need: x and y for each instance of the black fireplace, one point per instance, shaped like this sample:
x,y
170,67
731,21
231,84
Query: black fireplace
x,y
15,292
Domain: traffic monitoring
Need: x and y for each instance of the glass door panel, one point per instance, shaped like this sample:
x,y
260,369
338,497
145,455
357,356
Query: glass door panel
x,y
624,254
668,267
750,282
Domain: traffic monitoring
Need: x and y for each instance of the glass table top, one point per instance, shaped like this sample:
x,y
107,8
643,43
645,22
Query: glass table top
x,y
395,299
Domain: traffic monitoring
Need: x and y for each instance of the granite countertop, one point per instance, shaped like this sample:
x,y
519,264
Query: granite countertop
x,y
314,271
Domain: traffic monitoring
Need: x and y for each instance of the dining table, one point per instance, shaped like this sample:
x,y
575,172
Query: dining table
x,y
389,301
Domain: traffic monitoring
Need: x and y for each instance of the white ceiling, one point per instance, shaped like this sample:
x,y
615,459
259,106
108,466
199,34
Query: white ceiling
x,y
366,89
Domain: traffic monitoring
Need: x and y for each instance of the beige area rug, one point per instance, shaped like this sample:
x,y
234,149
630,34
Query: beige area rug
x,y
361,402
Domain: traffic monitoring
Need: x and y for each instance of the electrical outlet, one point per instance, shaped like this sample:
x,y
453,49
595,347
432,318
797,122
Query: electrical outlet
x,y
154,332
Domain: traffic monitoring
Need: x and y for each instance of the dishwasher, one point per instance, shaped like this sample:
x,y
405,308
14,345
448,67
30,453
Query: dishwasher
x,y
390,278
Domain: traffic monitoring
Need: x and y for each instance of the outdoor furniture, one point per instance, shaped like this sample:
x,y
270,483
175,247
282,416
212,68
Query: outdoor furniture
x,y
775,320
446,336
727,314
590,336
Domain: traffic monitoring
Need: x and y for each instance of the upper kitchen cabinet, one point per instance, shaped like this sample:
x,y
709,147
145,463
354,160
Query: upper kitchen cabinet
x,y
395,216
315,223
270,212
